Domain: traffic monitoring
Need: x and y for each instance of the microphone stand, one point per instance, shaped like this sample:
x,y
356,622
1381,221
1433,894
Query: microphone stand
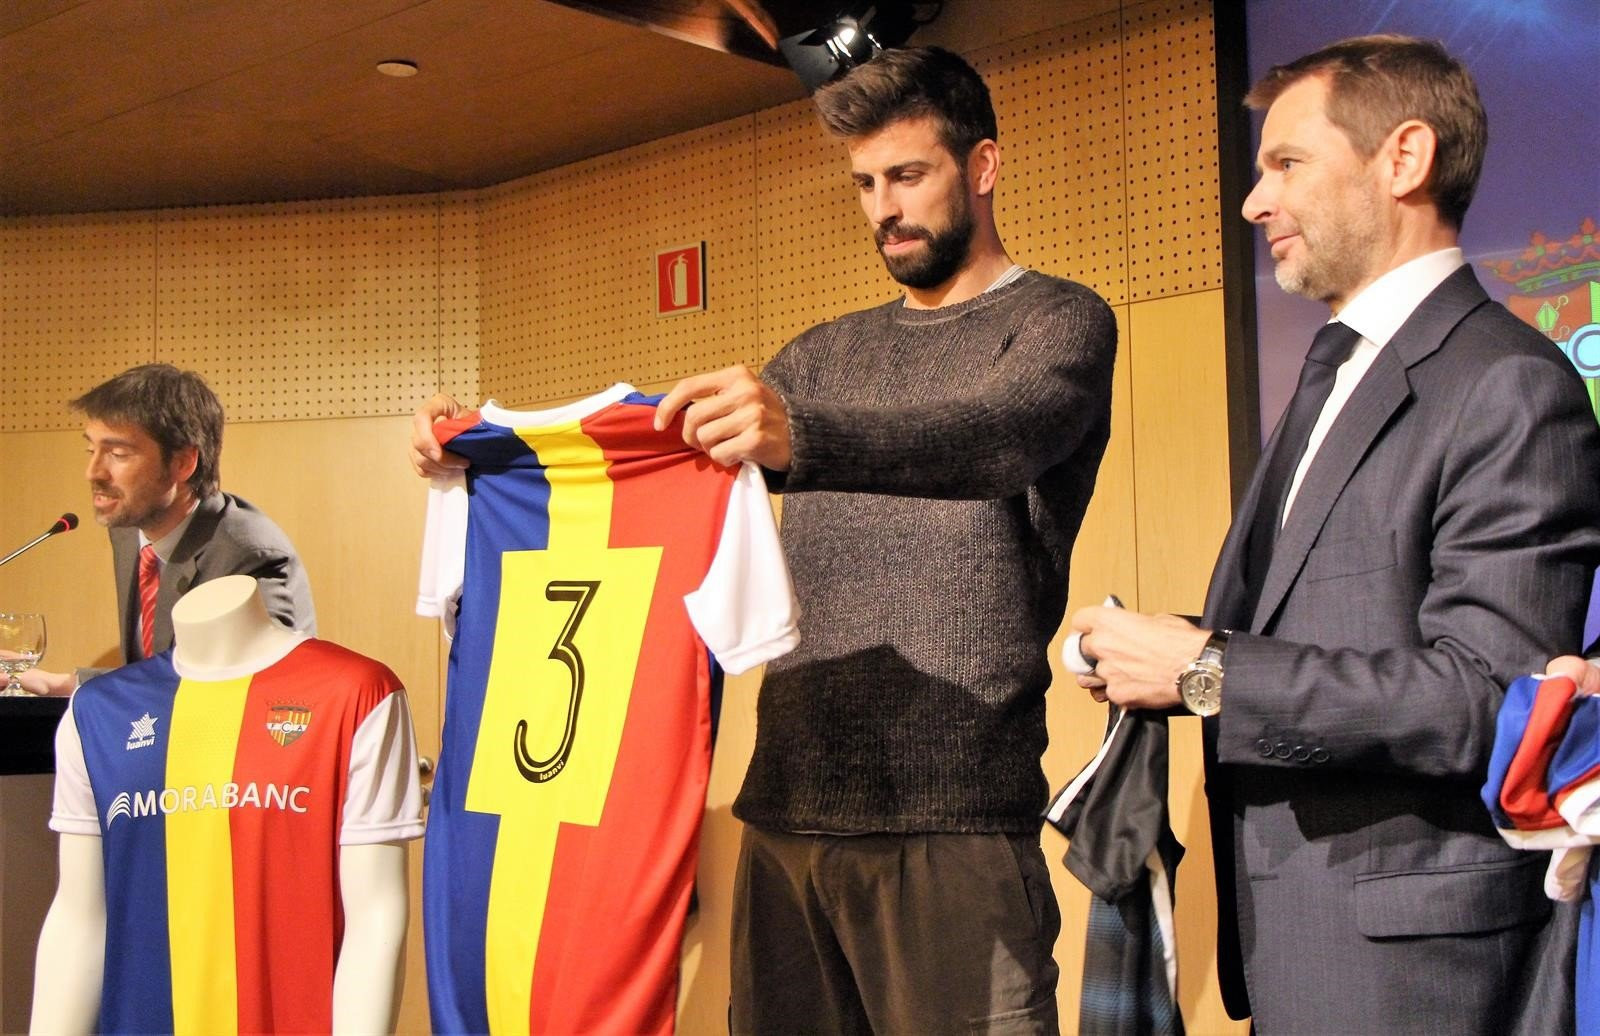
x,y
53,530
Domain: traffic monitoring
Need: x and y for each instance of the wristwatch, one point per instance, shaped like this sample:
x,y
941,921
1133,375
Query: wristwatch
x,y
1200,683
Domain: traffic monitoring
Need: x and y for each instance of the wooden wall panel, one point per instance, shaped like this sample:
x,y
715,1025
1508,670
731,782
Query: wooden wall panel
x,y
77,298
316,309
1061,204
68,577
304,310
569,268
458,307
817,255
1180,434
1174,231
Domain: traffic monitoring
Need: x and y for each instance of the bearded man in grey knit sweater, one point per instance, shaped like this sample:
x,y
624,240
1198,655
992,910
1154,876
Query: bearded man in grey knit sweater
x,y
937,454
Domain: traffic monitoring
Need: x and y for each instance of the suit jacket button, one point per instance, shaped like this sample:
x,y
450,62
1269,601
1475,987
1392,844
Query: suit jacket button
x,y
1320,755
1302,754
1283,751
1265,748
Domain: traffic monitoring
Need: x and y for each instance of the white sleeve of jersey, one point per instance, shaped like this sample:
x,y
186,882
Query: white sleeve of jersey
x,y
745,609
1580,805
383,802
73,811
444,551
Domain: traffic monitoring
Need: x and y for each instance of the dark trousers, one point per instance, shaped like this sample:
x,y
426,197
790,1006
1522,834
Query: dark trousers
x,y
893,934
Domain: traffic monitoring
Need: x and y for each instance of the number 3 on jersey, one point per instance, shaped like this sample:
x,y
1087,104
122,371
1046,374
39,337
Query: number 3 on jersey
x,y
580,593
567,641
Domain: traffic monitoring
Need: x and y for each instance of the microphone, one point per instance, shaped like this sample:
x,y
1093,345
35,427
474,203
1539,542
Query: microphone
x,y
66,523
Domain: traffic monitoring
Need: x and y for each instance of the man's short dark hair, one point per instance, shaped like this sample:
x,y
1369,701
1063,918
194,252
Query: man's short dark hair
x,y
175,408
1377,82
909,83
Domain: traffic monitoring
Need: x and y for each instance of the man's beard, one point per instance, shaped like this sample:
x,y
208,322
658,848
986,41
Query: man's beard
x,y
124,515
946,250
1339,251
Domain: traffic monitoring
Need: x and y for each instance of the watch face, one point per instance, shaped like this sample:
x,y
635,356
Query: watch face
x,y
1201,688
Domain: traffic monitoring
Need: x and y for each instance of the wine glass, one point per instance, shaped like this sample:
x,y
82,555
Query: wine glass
x,y
21,644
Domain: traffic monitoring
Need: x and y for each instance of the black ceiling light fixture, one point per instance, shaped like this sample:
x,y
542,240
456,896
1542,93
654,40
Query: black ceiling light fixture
x,y
857,34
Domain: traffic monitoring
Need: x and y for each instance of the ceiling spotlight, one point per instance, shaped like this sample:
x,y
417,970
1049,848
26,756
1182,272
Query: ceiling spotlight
x,y
857,34
398,68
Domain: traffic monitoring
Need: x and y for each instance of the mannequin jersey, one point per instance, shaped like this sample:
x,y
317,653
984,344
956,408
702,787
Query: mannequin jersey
x,y
601,576
221,805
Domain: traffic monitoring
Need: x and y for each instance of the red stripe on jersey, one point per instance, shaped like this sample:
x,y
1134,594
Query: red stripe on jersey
x,y
1525,793
619,893
450,427
286,862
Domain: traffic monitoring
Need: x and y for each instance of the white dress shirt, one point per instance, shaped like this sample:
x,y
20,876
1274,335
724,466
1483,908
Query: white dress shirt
x,y
1375,314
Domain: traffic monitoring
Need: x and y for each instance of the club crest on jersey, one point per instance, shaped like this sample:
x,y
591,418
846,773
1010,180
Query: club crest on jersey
x,y
144,732
287,722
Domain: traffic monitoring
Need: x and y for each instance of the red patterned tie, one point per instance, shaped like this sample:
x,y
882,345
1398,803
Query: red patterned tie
x,y
149,584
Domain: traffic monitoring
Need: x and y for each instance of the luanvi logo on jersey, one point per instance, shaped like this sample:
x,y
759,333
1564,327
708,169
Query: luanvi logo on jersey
x,y
144,732
287,722
188,799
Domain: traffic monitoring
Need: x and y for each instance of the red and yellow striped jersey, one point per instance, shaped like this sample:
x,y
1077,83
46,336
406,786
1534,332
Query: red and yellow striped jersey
x,y
221,805
605,571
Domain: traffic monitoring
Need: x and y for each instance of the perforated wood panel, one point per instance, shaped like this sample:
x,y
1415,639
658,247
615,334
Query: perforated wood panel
x,y
1061,204
329,309
1174,227
817,256
458,310
569,268
325,309
364,307
77,298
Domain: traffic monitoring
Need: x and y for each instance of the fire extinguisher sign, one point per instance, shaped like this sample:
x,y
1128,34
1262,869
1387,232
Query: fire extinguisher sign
x,y
681,280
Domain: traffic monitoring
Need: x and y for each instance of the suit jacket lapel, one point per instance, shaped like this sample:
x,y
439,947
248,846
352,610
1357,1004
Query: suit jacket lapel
x,y
1227,593
179,573
1382,392
125,570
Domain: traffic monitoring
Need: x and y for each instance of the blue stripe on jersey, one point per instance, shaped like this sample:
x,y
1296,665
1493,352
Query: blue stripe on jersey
x,y
455,884
1510,725
1588,1002
1578,756
137,994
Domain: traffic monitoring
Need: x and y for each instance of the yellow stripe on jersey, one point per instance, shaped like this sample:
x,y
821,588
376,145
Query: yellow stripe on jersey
x,y
206,719
570,624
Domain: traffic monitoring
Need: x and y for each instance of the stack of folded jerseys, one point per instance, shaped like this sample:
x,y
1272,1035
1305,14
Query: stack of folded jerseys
x,y
1543,792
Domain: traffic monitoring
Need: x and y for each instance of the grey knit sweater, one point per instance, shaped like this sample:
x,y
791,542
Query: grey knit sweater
x,y
942,463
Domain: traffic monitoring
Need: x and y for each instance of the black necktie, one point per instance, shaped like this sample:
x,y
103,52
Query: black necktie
x,y
1329,349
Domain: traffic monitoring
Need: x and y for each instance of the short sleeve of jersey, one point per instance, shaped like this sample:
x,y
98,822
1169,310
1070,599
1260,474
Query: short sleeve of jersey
x,y
73,811
383,800
444,544
745,608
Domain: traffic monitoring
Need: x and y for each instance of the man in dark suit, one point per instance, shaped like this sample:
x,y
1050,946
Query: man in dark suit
x,y
1422,529
154,437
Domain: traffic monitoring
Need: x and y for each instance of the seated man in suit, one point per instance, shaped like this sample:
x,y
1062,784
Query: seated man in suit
x,y
154,437
1421,530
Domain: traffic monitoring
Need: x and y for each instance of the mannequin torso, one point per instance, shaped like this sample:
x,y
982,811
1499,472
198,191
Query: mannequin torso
x,y
319,726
